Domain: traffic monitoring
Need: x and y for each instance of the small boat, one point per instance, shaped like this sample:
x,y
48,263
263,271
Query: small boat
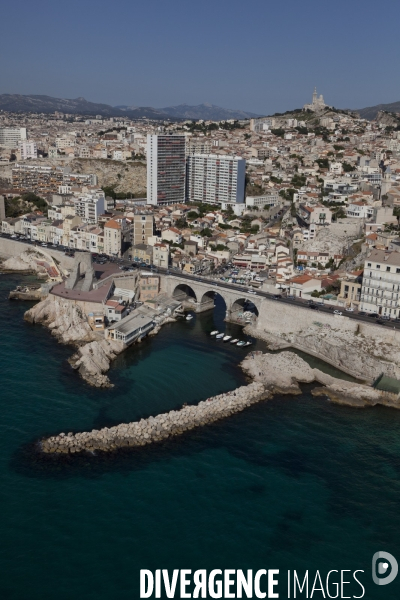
x,y
189,317
241,344
235,341
248,343
214,332
219,336
226,338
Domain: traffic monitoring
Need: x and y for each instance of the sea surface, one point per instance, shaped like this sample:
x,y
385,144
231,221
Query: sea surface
x,y
292,483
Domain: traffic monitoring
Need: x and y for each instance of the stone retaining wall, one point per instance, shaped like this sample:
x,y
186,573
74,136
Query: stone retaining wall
x,y
155,429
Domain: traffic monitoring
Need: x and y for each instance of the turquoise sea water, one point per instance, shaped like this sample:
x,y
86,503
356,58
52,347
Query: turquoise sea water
x,y
292,483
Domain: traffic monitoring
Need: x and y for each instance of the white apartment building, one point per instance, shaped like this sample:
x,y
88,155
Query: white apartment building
x,y
90,207
166,169
214,178
381,284
270,199
360,210
10,137
27,150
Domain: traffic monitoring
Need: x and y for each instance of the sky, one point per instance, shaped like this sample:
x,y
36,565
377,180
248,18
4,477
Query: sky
x,y
261,56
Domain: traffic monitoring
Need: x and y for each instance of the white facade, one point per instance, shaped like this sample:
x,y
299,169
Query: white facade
x,y
10,137
27,150
89,207
214,178
166,169
360,210
271,199
381,283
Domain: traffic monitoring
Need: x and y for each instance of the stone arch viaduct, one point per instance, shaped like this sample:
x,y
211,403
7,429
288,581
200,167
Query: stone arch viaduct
x,y
199,295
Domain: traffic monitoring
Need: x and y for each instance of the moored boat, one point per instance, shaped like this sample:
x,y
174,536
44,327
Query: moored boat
x,y
214,332
248,343
234,341
189,317
241,344
219,336
226,338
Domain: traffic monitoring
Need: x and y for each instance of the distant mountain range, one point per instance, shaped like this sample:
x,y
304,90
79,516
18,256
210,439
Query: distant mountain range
x,y
370,112
207,112
48,104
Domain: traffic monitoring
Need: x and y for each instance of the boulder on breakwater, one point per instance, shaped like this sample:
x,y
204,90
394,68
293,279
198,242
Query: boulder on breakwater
x,y
155,429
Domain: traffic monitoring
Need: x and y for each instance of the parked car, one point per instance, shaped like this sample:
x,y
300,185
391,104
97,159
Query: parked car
x,y
374,315
380,322
362,313
349,309
385,317
337,312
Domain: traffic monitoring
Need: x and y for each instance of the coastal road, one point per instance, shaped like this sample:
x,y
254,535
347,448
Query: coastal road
x,y
299,302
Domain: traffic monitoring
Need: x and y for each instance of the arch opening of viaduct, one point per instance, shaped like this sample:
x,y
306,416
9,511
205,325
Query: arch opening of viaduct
x,y
199,297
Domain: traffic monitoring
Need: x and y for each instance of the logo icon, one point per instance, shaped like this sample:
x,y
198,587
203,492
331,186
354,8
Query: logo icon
x,y
381,561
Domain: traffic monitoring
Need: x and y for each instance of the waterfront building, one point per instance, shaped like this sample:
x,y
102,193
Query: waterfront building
x,y
381,283
166,169
214,178
130,329
9,137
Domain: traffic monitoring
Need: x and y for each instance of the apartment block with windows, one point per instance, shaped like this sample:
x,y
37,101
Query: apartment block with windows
x,y
90,206
143,228
214,178
380,291
166,169
9,137
27,150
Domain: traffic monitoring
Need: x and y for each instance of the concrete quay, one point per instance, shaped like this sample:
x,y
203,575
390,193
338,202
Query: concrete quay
x,y
155,429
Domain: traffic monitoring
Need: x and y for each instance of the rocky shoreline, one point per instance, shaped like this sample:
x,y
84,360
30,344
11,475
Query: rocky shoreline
x,y
67,323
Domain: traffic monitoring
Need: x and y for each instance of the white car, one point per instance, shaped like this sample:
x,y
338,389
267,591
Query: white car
x,y
252,292
337,312
349,309
43,244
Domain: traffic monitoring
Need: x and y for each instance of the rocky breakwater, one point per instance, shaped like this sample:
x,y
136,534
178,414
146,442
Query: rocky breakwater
x,y
69,325
161,427
281,373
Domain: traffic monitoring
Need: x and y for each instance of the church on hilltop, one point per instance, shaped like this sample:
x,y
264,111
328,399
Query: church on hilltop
x,y
317,103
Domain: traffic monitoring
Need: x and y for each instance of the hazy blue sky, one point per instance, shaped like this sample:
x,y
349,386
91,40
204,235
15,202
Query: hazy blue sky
x,y
257,55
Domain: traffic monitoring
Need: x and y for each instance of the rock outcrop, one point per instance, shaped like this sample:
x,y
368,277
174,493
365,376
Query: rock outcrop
x,y
69,325
282,373
363,349
155,429
24,262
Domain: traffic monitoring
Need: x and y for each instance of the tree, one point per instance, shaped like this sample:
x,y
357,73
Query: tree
x,y
396,213
206,232
181,223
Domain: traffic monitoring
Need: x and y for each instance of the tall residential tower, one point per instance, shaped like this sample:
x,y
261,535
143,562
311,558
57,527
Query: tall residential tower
x,y
166,169
216,179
